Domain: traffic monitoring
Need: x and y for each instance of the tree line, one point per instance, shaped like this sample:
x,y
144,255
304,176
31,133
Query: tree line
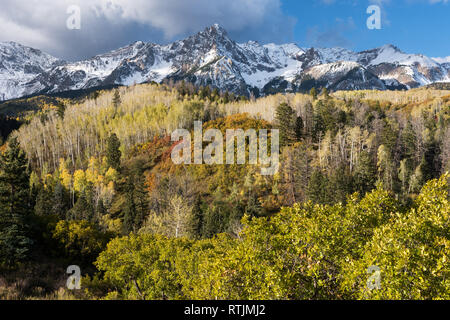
x,y
94,180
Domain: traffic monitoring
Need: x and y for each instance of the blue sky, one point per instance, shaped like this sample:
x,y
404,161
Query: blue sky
x,y
415,26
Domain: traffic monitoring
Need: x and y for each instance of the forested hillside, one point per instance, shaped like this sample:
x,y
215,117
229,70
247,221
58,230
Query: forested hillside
x,y
362,183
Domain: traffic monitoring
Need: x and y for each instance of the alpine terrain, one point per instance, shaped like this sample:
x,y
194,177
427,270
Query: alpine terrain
x,y
211,58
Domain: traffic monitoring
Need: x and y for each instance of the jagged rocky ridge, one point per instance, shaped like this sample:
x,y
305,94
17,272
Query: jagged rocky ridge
x,y
211,58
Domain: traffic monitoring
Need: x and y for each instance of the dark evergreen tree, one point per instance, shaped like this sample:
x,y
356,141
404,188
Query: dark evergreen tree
x,y
317,187
214,221
299,128
61,109
340,185
431,161
7,125
408,141
43,205
129,213
217,216
226,97
389,138
182,88
253,208
84,208
207,91
201,92
285,119
117,100
113,153
94,95
196,223
15,208
328,114
365,174
60,200
101,210
318,128
141,201
215,94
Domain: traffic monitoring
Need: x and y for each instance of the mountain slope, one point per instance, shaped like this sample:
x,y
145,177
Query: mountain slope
x,y
210,57
20,64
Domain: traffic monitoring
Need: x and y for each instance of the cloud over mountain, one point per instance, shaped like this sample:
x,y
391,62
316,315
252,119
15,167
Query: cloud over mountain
x,y
107,24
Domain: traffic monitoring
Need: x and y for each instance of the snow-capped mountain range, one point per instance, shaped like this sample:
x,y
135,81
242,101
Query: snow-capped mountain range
x,y
211,58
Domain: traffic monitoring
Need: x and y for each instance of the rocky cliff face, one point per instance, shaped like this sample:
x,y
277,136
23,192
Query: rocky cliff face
x,y
211,58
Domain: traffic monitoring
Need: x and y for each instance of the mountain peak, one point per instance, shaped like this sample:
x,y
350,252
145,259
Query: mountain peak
x,y
215,30
16,51
391,47
9,43
211,37
12,44
211,57
217,27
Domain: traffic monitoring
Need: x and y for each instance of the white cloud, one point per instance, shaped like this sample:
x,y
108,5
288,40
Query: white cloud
x,y
105,24
175,16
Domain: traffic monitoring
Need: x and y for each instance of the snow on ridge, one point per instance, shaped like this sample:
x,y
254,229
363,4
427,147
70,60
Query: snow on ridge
x,y
25,70
330,55
161,70
23,54
101,66
20,64
390,54
283,62
442,60
290,49
260,78
333,68
280,58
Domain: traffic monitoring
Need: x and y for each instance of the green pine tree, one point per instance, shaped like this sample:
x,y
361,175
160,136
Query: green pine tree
x,y
340,185
408,141
196,223
317,187
253,208
129,213
299,128
365,174
141,201
285,119
117,100
61,109
113,153
84,208
15,208
60,200
43,204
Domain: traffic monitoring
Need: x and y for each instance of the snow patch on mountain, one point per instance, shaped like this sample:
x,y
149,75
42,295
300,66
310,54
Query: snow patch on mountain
x,y
442,60
391,54
330,55
281,57
210,57
332,69
20,64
